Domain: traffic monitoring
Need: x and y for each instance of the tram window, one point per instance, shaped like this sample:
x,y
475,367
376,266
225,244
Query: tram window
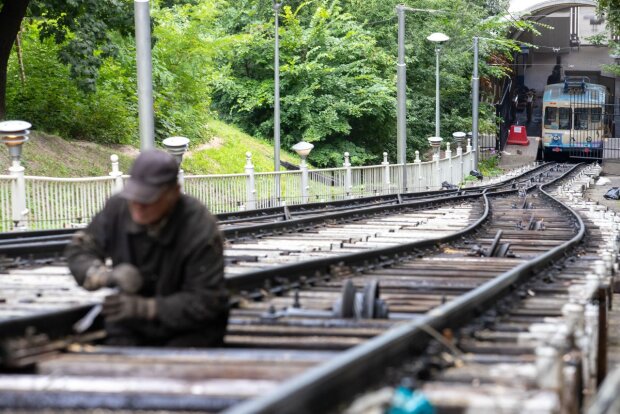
x,y
595,114
551,117
564,118
581,119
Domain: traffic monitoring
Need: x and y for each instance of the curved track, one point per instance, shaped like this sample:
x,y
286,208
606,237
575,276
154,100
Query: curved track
x,y
289,318
255,223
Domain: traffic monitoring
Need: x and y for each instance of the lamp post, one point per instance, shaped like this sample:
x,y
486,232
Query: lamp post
x,y
475,99
276,100
144,67
13,134
177,146
401,89
303,150
438,39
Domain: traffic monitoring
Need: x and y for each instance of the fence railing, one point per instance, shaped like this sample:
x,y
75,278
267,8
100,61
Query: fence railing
x,y
28,202
7,183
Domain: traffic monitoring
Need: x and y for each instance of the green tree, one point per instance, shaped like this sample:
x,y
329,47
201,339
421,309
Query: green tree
x,y
610,9
335,82
82,27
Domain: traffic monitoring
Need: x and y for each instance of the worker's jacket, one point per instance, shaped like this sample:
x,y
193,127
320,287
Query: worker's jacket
x,y
182,265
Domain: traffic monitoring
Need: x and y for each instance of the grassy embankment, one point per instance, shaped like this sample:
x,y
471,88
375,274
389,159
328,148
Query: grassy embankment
x,y
52,156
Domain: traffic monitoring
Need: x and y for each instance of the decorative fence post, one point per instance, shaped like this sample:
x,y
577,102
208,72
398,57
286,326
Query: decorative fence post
x,y
250,190
449,158
20,211
469,164
459,154
435,143
386,173
437,174
304,181
348,186
418,163
116,174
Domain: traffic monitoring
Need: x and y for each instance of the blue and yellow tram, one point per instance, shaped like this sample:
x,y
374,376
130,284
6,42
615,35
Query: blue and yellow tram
x,y
574,121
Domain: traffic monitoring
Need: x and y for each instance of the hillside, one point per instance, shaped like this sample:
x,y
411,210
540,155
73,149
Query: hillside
x,y
50,155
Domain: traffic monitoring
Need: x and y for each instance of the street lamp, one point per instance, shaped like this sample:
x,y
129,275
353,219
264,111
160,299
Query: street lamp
x,y
177,146
438,39
459,137
401,88
276,100
303,150
435,143
13,134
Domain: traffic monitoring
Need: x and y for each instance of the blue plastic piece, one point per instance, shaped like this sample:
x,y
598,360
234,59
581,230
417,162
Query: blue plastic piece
x,y
406,401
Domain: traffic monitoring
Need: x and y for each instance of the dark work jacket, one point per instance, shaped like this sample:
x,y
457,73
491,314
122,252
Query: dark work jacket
x,y
182,266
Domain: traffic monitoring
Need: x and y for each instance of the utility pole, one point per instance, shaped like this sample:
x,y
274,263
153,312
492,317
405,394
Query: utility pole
x,y
146,116
401,90
276,103
475,99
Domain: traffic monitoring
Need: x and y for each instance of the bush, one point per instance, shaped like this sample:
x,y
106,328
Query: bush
x,y
51,101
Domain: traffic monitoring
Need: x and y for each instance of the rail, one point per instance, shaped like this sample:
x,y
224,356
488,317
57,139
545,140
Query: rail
x,y
246,223
358,367
35,203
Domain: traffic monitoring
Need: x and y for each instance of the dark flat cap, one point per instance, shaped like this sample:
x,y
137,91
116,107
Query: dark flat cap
x,y
151,173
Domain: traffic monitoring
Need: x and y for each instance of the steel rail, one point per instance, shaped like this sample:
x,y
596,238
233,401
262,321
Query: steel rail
x,y
289,274
171,403
286,276
363,260
53,242
321,388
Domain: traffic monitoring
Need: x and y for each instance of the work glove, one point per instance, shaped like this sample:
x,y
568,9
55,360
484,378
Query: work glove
x,y
124,276
120,307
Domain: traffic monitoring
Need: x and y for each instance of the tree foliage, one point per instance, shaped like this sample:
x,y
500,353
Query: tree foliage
x,y
83,28
216,57
610,9
335,82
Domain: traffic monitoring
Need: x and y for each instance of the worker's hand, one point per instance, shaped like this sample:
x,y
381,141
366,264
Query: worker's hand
x,y
98,275
125,276
121,307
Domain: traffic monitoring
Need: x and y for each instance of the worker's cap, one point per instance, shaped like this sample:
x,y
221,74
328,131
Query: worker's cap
x,y
151,173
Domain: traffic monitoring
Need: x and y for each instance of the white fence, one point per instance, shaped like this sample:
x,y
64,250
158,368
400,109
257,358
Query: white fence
x,y
64,202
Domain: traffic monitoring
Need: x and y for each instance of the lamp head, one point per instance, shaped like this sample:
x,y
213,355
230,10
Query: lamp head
x,y
435,142
302,148
13,134
459,137
438,38
176,146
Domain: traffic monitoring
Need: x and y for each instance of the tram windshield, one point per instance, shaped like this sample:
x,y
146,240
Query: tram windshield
x,y
557,118
581,118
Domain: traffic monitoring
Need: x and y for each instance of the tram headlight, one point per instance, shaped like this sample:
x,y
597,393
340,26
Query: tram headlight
x,y
589,139
555,138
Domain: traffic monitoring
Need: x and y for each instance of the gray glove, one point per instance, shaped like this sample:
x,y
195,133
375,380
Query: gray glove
x,y
121,307
124,276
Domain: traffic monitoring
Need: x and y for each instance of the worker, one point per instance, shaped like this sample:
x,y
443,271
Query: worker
x,y
529,107
163,251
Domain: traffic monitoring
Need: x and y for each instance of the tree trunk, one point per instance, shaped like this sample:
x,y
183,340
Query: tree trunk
x,y
11,17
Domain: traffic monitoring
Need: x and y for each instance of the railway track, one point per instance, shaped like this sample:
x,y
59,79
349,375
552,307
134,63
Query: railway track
x,y
291,320
255,223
